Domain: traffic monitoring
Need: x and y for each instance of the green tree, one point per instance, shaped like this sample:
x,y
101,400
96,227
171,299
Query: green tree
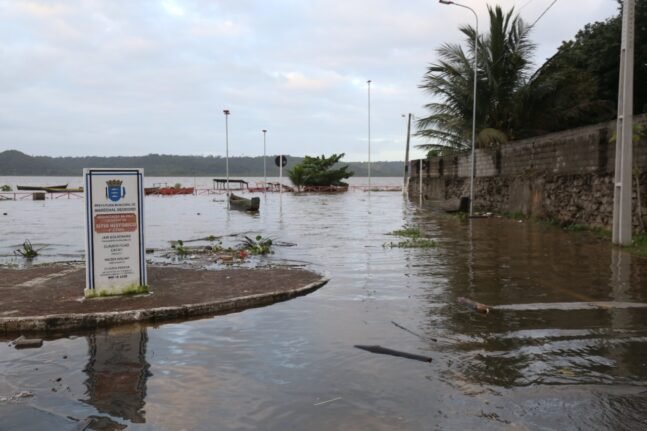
x,y
502,68
575,87
319,171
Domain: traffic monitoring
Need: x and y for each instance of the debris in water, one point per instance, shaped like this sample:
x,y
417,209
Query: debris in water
x,y
385,351
327,401
27,343
476,306
435,340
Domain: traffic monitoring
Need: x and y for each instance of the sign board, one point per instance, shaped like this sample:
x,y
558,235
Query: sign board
x,y
280,161
114,215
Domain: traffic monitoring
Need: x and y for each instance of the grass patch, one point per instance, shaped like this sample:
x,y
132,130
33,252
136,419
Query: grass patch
x,y
407,232
639,245
414,236
258,245
515,215
128,290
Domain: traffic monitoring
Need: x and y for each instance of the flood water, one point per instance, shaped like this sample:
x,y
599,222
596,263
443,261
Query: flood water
x,y
546,357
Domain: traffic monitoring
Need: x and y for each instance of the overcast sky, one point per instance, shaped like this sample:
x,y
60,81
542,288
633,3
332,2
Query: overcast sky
x,y
132,77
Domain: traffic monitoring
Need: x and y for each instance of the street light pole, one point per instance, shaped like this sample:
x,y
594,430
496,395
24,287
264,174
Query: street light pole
x,y
264,162
226,112
369,135
476,45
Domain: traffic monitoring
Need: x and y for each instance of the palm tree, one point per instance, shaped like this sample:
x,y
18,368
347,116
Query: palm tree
x,y
503,64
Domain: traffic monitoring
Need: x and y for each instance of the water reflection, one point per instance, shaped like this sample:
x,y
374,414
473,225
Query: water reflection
x,y
559,315
117,372
545,352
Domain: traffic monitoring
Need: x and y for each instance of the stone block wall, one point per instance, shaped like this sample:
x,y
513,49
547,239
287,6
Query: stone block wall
x,y
567,176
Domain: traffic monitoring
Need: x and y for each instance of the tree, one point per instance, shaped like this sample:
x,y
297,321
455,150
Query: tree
x,y
319,171
502,67
575,87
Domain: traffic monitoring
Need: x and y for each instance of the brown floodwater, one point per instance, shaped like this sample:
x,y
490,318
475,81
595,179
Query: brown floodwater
x,y
564,347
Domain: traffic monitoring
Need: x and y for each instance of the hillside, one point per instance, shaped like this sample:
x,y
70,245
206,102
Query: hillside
x,y
14,162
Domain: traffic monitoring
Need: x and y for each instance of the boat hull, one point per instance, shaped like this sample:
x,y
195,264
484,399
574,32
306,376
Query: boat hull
x,y
41,188
243,204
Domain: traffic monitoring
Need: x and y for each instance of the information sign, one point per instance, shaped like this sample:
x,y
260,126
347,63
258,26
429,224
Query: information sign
x,y
115,252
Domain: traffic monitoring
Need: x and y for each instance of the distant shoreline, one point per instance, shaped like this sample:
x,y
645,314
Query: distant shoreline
x,y
16,163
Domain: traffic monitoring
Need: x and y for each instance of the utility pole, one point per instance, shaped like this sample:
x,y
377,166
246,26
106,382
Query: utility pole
x,y
622,214
369,134
406,155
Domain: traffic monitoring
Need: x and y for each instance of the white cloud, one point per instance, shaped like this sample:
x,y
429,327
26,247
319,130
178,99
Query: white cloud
x,y
139,77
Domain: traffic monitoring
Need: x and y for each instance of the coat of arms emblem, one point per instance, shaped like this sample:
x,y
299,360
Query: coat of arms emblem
x,y
114,190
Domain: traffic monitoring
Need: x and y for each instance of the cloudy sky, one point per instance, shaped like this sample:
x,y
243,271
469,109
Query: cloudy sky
x,y
132,77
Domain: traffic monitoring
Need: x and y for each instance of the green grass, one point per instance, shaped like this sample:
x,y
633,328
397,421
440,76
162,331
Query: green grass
x,y
407,232
639,245
133,289
414,236
515,215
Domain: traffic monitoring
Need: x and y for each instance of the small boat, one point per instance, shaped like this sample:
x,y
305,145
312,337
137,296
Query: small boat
x,y
151,191
41,188
244,204
63,190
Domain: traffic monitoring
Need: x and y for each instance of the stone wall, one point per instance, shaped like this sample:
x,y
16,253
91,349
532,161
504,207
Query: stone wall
x,y
567,176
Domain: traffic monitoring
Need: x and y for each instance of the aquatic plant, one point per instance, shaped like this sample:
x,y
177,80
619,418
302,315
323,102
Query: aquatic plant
x,y
179,247
415,238
257,246
639,245
407,231
28,250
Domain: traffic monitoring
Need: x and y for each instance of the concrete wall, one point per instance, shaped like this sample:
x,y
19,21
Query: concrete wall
x,y
566,176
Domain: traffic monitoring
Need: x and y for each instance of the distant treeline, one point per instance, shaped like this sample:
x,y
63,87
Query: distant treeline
x,y
14,162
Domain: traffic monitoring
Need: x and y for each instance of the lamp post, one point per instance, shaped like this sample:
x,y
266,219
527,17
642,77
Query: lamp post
x,y
476,45
264,162
226,112
369,135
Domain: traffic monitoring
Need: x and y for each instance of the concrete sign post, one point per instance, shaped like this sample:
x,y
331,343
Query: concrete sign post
x,y
115,252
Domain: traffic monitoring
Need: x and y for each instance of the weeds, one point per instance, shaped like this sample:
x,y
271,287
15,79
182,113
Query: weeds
x,y
639,245
415,238
179,248
257,246
133,289
407,232
515,215
5,188
28,250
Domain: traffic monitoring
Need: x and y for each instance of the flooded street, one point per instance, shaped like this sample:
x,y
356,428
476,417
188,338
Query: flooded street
x,y
564,347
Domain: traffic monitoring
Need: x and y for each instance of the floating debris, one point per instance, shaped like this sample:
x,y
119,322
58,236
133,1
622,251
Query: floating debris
x,y
385,351
27,343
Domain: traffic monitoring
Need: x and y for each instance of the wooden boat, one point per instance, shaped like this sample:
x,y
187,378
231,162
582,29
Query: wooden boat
x,y
63,190
151,191
244,204
41,188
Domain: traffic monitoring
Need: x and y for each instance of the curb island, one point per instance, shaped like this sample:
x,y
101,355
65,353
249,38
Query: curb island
x,y
48,299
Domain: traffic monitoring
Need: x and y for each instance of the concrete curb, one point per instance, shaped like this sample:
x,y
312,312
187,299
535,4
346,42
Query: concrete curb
x,y
82,321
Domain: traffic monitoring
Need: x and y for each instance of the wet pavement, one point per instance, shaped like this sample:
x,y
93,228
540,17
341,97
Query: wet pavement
x,y
549,356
